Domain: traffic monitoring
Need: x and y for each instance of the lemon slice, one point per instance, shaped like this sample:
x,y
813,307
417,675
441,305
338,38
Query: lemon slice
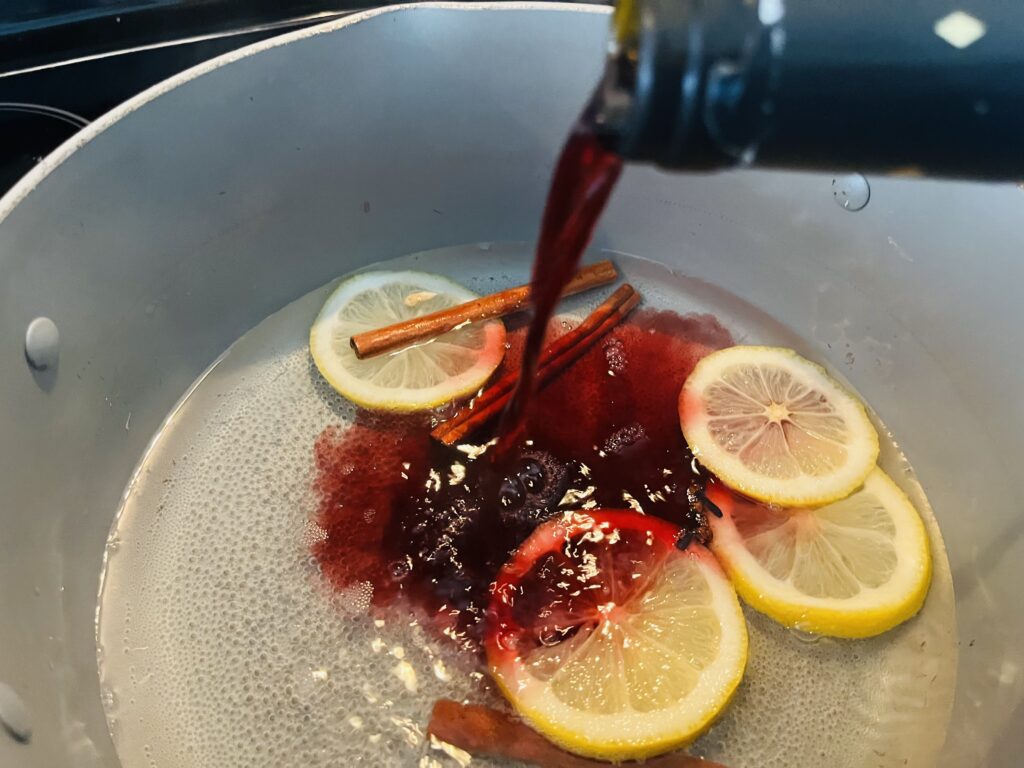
x,y
776,427
853,568
423,376
612,642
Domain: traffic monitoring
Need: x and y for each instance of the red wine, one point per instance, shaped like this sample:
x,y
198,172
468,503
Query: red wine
x,y
422,521
429,522
584,178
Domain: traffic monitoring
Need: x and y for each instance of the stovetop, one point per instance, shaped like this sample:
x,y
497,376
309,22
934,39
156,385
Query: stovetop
x,y
63,63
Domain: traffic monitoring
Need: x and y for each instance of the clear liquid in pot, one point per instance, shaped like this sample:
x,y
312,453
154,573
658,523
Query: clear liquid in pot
x,y
222,643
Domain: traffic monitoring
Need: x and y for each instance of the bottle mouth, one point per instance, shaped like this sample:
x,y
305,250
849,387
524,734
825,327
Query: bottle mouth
x,y
611,112
687,82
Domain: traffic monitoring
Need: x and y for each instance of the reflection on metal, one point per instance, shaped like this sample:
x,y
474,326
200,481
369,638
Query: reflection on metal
x,y
283,25
46,111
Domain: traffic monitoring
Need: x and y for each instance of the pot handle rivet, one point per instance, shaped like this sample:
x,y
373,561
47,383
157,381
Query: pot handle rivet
x,y
14,715
42,343
851,192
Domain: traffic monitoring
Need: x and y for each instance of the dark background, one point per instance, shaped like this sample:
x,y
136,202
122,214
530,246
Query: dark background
x,y
63,63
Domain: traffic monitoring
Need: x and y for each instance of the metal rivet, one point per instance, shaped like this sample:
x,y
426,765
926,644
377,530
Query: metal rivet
x,y
14,715
851,192
42,343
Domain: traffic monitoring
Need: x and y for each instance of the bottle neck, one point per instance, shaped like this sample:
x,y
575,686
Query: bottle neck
x,y
875,85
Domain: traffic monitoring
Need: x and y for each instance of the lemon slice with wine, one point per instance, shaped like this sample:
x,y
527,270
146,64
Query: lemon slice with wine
x,y
610,640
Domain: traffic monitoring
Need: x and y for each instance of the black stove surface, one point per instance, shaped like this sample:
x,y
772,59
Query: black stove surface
x,y
63,63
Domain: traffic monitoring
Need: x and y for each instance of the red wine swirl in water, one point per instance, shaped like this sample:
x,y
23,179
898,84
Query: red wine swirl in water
x,y
417,519
432,523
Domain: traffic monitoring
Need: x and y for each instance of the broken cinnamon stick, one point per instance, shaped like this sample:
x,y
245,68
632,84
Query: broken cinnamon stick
x,y
559,355
392,337
484,731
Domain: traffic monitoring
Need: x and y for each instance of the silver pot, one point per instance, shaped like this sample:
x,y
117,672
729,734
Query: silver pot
x,y
165,230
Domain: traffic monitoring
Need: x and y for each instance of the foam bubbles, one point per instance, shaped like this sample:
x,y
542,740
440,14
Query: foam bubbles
x,y
221,646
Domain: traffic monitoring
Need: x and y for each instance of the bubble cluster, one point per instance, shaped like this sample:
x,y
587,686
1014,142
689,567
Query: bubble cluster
x,y
221,643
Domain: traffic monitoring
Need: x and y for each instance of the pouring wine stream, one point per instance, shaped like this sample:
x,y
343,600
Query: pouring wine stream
x,y
583,181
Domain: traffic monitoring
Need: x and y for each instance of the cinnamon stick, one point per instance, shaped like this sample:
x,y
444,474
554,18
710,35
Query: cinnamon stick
x,y
407,332
485,731
559,355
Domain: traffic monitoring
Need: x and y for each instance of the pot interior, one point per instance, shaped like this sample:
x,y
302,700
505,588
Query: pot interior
x,y
184,221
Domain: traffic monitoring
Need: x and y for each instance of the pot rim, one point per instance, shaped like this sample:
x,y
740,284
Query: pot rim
x,y
27,183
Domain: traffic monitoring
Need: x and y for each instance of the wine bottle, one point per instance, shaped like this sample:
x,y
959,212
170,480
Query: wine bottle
x,y
897,86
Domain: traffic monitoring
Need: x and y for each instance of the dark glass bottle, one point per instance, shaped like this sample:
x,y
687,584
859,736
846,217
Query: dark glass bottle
x,y
905,86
